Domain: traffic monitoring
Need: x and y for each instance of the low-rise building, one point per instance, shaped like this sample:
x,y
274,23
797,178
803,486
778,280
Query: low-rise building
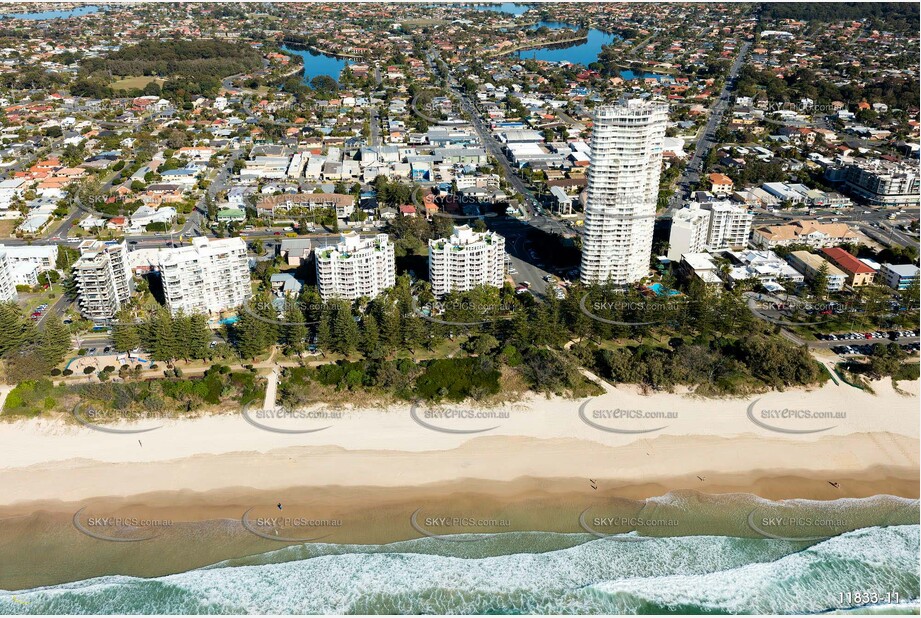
x,y
809,233
276,206
858,273
44,256
764,266
898,276
811,265
701,266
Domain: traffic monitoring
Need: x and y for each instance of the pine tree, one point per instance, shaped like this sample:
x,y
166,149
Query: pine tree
x,y
16,331
161,337
294,332
199,336
53,341
370,336
126,335
249,335
345,330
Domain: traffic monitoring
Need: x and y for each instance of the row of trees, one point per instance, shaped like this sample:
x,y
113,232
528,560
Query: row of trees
x,y
164,336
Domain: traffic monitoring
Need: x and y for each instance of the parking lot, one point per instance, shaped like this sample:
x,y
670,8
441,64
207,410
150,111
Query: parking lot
x,y
862,343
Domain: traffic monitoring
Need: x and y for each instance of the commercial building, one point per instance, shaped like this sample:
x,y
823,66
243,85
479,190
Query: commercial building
x,y
898,276
103,278
356,267
466,260
858,273
208,276
7,288
623,188
811,265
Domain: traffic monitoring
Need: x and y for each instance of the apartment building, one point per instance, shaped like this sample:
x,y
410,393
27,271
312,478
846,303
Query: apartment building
x,y
689,231
278,206
730,226
804,232
356,267
709,226
898,276
623,187
883,183
465,260
810,264
7,287
103,278
45,257
209,276
858,273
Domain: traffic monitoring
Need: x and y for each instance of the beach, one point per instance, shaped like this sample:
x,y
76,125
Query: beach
x,y
187,493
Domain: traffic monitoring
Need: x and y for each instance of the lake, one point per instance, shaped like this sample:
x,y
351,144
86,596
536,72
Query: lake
x,y
318,64
582,53
75,12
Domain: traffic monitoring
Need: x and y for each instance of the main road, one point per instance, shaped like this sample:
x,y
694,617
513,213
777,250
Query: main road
x,y
707,139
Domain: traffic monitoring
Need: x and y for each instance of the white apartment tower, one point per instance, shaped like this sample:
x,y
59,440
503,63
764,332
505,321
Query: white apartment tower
x,y
103,277
730,226
711,226
623,188
689,231
465,260
7,287
356,267
209,276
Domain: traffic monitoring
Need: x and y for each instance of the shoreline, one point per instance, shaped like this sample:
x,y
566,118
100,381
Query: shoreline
x,y
358,479
178,532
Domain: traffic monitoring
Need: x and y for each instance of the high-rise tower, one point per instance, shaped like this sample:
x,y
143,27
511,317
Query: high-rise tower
x,y
623,188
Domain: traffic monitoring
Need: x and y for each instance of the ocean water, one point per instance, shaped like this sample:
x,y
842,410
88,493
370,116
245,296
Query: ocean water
x,y
519,573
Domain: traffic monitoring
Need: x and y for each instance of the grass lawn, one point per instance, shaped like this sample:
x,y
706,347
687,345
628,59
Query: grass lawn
x,y
7,226
129,83
30,301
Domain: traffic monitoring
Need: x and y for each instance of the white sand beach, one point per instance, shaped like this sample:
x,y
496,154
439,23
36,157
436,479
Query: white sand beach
x,y
538,438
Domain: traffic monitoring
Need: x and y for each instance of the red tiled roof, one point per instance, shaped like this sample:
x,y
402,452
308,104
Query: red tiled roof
x,y
847,261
